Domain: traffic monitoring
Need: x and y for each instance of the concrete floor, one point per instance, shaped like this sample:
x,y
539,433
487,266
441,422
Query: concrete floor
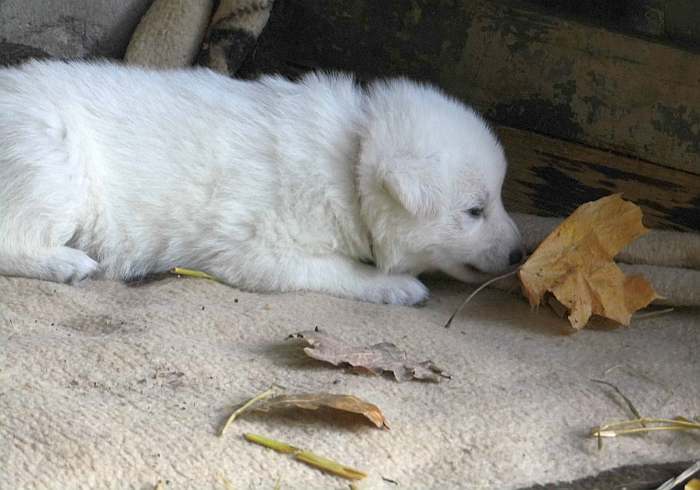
x,y
72,28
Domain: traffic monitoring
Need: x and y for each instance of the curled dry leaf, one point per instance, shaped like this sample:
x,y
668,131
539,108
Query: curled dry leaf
x,y
575,263
314,401
376,359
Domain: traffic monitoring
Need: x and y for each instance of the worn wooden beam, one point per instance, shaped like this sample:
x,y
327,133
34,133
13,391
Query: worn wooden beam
x,y
682,21
643,17
671,21
628,109
583,83
521,67
552,177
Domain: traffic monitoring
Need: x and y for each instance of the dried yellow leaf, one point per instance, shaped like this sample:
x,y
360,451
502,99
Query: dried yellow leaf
x,y
693,484
575,263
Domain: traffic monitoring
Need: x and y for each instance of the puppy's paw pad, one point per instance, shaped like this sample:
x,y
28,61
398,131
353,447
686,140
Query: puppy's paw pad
x,y
400,290
70,265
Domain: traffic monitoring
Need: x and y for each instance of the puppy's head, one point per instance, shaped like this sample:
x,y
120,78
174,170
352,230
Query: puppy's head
x,y
430,177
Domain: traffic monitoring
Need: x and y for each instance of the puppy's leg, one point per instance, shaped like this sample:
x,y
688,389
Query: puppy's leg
x,y
332,274
42,196
33,241
58,264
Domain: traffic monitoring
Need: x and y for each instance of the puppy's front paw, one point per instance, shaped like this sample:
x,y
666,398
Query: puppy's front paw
x,y
398,290
70,265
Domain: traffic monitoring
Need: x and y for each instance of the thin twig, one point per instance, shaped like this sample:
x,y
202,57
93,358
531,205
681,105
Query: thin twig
x,y
265,394
469,298
634,411
643,316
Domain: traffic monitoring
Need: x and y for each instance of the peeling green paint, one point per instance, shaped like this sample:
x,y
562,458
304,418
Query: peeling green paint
x,y
565,90
415,13
680,122
519,29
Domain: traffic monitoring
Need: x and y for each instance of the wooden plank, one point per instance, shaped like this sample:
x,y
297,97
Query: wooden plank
x,y
552,177
642,17
584,84
671,21
522,68
682,21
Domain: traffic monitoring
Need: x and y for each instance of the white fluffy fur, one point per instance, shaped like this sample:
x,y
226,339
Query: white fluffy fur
x,y
269,185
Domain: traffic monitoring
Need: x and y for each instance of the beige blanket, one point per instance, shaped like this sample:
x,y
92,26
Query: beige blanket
x,y
114,386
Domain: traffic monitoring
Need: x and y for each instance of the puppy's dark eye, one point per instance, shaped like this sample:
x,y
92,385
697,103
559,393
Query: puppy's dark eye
x,y
475,212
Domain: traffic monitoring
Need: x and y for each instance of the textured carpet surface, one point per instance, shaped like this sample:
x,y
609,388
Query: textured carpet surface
x,y
108,385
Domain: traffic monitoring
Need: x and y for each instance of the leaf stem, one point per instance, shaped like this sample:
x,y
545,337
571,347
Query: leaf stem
x,y
469,298
265,394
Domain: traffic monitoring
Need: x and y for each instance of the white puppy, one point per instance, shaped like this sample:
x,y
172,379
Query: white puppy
x,y
269,185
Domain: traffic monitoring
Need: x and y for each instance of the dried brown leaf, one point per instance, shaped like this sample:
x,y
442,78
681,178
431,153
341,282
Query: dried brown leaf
x,y
380,358
575,263
314,401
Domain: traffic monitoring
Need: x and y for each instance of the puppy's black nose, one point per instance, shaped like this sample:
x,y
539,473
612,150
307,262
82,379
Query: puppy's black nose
x,y
515,257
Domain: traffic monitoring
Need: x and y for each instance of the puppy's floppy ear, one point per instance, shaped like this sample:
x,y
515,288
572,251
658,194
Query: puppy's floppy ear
x,y
418,184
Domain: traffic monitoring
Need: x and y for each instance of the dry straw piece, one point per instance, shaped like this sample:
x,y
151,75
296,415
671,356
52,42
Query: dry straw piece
x,y
639,424
180,271
643,425
325,464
